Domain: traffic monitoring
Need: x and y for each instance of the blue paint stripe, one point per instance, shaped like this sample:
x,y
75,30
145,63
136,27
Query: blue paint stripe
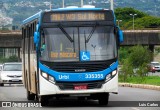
x,y
76,9
68,77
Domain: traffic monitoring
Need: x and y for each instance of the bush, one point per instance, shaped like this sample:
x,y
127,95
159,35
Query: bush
x,y
13,59
10,59
136,63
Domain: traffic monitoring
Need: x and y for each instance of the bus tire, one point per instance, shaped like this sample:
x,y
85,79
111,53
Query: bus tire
x,y
43,100
36,84
30,96
81,98
1,84
103,98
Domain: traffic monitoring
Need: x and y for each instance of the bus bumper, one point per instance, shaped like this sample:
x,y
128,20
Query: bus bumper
x,y
48,88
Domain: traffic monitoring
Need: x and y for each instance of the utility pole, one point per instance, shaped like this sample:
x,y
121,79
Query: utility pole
x,y
81,3
112,7
50,6
62,3
118,21
133,15
155,11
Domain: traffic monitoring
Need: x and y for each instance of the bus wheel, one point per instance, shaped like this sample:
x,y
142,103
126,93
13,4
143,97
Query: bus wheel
x,y
36,97
43,100
103,98
30,96
36,84
81,98
1,84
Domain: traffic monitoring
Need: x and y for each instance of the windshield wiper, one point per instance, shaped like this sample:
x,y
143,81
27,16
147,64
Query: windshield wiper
x,y
73,40
85,41
65,33
91,33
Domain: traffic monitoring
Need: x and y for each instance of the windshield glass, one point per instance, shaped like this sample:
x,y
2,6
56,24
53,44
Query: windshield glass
x,y
12,67
156,64
101,44
67,43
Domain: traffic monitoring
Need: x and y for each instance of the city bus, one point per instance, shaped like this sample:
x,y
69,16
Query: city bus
x,y
71,52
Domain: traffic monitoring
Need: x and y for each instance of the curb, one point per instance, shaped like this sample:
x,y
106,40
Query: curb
x,y
143,86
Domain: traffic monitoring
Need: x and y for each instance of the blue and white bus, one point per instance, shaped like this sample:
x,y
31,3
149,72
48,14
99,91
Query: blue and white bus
x,y
71,52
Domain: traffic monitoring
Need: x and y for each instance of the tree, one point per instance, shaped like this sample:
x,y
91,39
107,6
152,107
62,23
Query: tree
x,y
139,55
124,13
136,62
142,20
13,58
123,53
148,22
127,70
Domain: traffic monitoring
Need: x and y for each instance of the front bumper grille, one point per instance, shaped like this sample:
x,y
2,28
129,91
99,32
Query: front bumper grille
x,y
11,81
70,86
15,76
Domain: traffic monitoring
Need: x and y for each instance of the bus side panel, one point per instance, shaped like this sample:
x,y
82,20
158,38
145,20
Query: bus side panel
x,y
26,71
32,68
29,57
32,59
23,56
25,60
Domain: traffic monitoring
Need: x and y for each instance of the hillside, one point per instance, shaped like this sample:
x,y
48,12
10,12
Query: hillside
x,y
15,11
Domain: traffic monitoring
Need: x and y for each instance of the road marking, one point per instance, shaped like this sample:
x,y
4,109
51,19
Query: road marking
x,y
135,108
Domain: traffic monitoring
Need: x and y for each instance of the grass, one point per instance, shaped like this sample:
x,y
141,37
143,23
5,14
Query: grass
x,y
152,80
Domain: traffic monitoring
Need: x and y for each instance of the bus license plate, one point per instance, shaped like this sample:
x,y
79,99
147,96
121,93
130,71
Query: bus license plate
x,y
80,87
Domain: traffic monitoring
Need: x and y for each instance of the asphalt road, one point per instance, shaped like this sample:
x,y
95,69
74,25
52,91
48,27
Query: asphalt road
x,y
127,99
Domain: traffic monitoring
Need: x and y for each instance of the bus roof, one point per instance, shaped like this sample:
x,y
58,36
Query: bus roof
x,y
31,18
37,15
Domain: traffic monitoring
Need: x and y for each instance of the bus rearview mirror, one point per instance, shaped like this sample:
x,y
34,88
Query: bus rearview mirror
x,y
36,37
120,34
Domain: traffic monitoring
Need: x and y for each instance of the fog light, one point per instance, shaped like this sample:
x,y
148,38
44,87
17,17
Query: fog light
x,y
51,79
108,77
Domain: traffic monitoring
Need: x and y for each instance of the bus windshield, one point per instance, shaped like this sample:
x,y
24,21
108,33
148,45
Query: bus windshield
x,y
65,43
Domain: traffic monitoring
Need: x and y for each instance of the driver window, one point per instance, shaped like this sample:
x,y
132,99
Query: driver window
x,y
43,45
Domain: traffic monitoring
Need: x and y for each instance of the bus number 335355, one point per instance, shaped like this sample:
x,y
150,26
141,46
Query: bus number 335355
x,y
88,76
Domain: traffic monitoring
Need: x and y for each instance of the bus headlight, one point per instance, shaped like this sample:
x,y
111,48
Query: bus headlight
x,y
45,75
114,73
48,77
111,75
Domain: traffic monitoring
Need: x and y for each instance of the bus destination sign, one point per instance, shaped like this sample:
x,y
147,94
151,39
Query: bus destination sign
x,y
77,16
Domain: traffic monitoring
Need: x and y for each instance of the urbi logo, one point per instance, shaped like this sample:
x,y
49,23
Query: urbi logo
x,y
84,55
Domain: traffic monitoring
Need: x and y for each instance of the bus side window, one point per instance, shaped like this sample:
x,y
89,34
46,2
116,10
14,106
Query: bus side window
x,y
43,45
